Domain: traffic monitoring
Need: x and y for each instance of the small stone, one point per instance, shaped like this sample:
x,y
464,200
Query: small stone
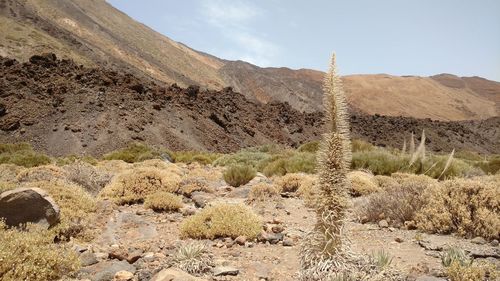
x,y
399,239
277,228
494,243
123,275
188,211
241,240
134,256
479,240
226,270
249,245
383,224
287,242
118,254
87,258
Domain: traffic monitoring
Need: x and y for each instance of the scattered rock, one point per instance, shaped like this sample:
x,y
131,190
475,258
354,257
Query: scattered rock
x,y
494,243
272,238
383,224
399,240
241,240
200,199
174,274
428,245
23,205
226,270
123,276
478,240
429,278
119,254
87,258
262,272
134,256
105,271
188,210
287,242
240,192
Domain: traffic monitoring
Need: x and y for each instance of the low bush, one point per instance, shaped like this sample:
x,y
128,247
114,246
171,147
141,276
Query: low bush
x,y
490,166
114,166
42,173
385,182
22,154
379,161
189,185
163,202
194,258
32,255
289,162
220,221
361,145
135,152
477,271
238,175
132,186
312,147
262,192
189,157
362,183
397,204
303,185
196,171
9,172
61,161
91,178
244,157
469,207
159,164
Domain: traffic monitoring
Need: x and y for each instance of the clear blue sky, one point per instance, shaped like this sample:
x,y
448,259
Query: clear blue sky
x,y
400,37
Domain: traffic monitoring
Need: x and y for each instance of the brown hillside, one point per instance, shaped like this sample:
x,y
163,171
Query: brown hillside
x,y
92,32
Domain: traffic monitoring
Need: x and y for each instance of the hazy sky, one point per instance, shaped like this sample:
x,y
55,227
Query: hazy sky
x,y
401,37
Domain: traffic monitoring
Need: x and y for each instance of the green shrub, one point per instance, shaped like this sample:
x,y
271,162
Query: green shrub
x,y
238,175
289,162
22,154
312,147
194,156
361,145
135,152
32,255
468,155
248,158
220,221
491,166
163,202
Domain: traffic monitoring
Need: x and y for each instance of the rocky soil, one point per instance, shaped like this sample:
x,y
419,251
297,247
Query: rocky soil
x,y
63,108
142,242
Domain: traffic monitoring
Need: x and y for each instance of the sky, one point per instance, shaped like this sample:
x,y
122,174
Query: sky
x,y
398,37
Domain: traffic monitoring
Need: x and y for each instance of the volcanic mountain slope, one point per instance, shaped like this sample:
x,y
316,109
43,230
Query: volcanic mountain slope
x,y
63,108
92,32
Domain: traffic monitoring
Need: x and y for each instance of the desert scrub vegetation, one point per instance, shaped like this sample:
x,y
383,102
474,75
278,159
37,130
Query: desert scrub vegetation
x,y
262,192
469,207
221,221
189,157
398,202
91,178
303,185
134,152
132,186
61,161
32,255
362,183
41,173
459,267
22,154
238,175
311,147
163,202
193,257
9,172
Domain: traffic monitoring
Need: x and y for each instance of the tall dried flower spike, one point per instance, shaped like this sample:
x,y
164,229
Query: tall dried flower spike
x,y
403,150
412,144
323,248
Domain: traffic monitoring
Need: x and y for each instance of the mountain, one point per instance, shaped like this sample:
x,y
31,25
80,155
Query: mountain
x,y
92,32
63,108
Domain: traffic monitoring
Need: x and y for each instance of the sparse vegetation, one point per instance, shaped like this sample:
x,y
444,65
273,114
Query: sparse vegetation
x,y
132,186
41,173
262,192
163,202
32,255
91,178
381,258
194,156
362,183
465,206
135,152
459,267
238,175
222,220
22,154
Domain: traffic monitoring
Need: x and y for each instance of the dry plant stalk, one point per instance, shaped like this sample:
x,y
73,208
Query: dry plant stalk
x,y
323,249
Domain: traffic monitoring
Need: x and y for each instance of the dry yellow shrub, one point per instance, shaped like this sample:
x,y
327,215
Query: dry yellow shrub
x,y
114,166
91,178
210,174
474,272
263,192
386,182
362,183
222,220
421,180
132,186
32,255
9,172
159,164
77,207
468,207
190,185
41,173
303,184
163,202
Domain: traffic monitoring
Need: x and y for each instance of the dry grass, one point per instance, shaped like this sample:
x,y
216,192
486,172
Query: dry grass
x,y
239,175
163,202
32,255
362,183
132,186
22,154
190,185
222,220
159,164
9,172
385,182
210,174
42,173
304,185
468,207
478,271
262,192
91,178
114,166
134,152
